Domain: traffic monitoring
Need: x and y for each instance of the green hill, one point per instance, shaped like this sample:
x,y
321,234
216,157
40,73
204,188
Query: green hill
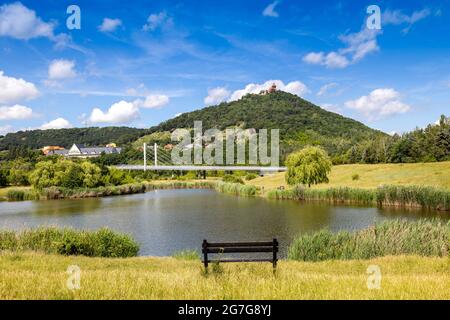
x,y
93,136
300,122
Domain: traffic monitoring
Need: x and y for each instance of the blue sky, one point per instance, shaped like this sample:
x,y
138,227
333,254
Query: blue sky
x,y
141,62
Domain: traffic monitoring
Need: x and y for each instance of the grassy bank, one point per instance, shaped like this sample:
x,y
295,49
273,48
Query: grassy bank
x,y
236,189
398,237
431,198
40,276
100,243
369,176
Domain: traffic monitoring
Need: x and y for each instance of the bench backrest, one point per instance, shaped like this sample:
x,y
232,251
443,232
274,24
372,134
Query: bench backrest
x,y
240,247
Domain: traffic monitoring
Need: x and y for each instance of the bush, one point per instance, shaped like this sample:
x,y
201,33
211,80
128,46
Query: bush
x,y
355,177
397,237
250,176
100,243
232,179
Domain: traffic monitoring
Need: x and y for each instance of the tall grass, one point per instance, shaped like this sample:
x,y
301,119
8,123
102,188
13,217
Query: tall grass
x,y
398,237
408,196
236,189
100,243
180,185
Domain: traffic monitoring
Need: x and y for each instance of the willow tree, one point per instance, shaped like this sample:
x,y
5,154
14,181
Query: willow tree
x,y
308,166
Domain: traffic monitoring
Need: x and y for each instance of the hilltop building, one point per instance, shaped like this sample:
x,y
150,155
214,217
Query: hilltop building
x,y
273,88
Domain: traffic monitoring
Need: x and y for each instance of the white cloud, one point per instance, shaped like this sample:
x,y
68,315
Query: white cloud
x,y
109,25
152,101
17,21
216,96
359,44
314,58
156,20
269,11
397,17
16,112
61,69
14,90
6,129
119,112
332,108
59,123
379,103
325,88
331,60
294,87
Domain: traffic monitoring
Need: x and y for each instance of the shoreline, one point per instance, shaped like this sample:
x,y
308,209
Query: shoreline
x,y
398,196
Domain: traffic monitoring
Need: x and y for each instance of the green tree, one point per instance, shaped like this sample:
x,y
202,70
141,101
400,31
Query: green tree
x,y
309,166
92,175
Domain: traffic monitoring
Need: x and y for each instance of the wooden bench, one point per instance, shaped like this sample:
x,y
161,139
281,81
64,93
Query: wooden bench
x,y
240,247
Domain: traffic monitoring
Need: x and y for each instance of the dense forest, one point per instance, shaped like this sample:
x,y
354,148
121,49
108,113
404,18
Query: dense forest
x,y
421,145
36,139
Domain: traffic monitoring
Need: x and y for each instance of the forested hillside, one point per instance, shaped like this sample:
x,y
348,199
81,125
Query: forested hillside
x,y
93,136
300,122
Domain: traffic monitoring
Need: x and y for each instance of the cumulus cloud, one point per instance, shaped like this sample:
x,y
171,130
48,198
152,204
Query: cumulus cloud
x,y
119,112
61,69
16,112
216,96
157,20
152,101
295,87
14,90
359,44
59,123
269,11
325,88
109,25
379,103
17,21
5,129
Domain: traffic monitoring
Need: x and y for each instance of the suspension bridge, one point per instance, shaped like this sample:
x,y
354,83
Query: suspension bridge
x,y
158,158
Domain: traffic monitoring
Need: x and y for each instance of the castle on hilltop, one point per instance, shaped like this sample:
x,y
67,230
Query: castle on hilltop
x,y
272,88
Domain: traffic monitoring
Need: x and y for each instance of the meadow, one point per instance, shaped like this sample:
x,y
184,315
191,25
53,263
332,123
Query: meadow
x,y
368,176
34,275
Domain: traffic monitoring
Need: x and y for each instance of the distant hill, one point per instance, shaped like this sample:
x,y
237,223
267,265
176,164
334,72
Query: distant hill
x,y
92,136
300,122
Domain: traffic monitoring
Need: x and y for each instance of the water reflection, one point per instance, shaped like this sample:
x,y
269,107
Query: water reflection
x,y
164,221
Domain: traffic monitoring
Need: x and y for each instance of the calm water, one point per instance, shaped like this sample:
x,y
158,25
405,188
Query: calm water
x,y
165,221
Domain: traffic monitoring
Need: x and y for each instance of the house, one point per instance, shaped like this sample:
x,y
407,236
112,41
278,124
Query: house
x,y
79,150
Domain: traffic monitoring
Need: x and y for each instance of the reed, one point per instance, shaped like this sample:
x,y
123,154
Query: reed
x,y
66,241
237,189
397,237
431,198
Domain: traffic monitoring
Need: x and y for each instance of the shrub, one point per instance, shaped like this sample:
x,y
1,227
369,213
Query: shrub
x,y
100,243
232,179
355,177
397,237
250,176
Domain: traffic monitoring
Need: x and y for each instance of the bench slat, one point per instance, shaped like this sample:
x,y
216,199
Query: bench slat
x,y
240,244
239,260
239,250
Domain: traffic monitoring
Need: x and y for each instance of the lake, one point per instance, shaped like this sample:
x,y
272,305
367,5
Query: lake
x,y
165,221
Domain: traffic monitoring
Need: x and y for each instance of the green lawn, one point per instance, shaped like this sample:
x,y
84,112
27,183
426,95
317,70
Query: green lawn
x,y
373,175
40,276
